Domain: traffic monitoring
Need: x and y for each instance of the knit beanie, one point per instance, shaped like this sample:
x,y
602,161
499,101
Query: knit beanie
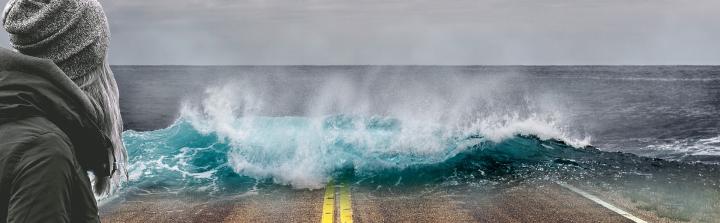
x,y
72,33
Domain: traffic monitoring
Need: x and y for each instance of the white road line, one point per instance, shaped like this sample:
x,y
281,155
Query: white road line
x,y
601,202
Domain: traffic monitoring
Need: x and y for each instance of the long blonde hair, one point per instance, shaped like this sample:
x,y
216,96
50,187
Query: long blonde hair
x,y
101,88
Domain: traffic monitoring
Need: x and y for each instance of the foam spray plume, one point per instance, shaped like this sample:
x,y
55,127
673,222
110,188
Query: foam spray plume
x,y
271,129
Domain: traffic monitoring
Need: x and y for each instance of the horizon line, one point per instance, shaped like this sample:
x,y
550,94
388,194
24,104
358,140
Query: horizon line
x,y
422,65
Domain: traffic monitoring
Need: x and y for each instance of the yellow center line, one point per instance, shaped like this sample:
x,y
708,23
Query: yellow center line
x,y
346,215
328,211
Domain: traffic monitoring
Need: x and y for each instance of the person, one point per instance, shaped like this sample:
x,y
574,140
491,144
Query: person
x,y
59,112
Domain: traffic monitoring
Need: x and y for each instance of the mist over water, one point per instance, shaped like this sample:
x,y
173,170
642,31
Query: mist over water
x,y
375,123
369,124
455,103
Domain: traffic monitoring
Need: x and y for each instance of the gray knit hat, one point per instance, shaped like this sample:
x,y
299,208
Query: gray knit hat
x,y
72,33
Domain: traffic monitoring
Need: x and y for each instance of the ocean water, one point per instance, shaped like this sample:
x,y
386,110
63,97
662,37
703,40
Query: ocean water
x,y
234,129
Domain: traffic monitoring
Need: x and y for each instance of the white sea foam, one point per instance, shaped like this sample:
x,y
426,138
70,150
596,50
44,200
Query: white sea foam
x,y
687,147
415,119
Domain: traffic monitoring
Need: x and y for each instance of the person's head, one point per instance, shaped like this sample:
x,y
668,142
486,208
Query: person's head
x,y
75,35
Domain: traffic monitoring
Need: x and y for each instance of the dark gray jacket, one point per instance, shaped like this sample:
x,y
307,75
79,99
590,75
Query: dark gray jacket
x,y
49,139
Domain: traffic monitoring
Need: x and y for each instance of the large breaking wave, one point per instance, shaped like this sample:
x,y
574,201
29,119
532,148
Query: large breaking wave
x,y
225,141
305,152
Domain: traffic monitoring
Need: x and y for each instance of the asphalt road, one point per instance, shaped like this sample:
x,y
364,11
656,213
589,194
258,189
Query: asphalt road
x,y
519,203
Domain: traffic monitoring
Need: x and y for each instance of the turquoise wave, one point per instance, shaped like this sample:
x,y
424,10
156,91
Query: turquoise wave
x,y
305,152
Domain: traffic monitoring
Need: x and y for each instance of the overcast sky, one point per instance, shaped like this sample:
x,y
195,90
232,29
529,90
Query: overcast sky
x,y
441,32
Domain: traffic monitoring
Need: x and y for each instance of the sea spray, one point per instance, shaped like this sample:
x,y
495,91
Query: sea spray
x,y
293,151
226,141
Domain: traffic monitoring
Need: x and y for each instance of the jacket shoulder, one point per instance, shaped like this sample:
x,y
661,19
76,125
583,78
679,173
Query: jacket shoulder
x,y
14,61
36,139
29,129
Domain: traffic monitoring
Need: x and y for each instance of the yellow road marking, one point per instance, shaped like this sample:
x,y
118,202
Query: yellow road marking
x,y
346,215
328,212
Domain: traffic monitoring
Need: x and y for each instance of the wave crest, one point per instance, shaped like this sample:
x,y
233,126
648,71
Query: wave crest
x,y
306,152
228,140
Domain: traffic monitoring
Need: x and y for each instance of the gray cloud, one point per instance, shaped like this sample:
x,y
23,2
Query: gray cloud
x,y
413,32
